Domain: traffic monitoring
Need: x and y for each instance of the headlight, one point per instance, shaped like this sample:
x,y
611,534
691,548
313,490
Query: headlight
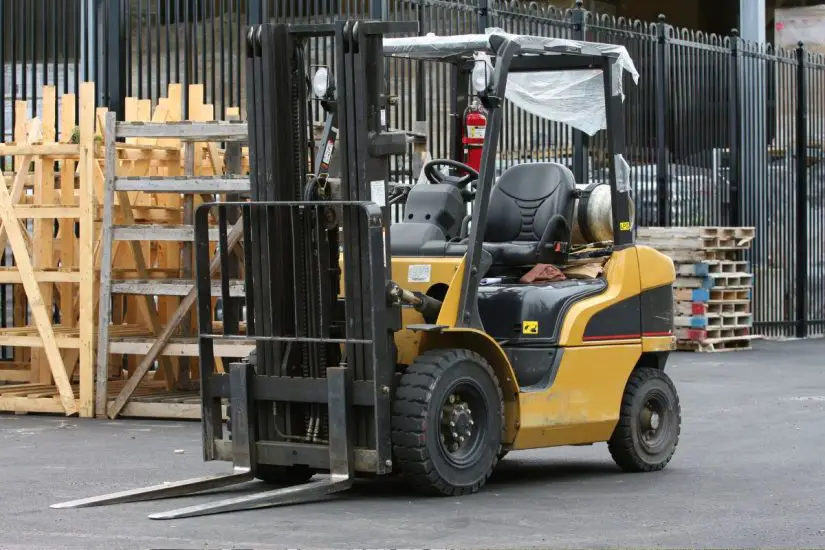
x,y
320,82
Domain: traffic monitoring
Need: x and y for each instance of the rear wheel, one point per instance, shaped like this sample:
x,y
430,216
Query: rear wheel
x,y
447,422
650,421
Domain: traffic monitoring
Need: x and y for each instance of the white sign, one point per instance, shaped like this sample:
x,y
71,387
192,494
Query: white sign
x,y
419,273
378,192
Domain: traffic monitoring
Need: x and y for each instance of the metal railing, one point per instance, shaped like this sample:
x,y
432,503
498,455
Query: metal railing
x,y
719,131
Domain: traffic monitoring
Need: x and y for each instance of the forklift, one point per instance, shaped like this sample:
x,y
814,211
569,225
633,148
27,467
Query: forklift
x,y
419,349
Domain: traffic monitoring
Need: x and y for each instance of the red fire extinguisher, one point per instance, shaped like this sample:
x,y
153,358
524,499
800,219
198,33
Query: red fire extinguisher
x,y
475,126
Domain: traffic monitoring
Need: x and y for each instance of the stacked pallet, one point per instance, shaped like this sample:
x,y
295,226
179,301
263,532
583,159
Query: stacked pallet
x,y
713,288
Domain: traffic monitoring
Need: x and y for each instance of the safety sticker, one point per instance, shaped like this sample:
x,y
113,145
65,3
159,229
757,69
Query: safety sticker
x,y
624,226
328,151
419,273
529,327
476,131
378,193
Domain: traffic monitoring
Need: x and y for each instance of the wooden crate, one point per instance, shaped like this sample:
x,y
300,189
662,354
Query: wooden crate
x,y
53,186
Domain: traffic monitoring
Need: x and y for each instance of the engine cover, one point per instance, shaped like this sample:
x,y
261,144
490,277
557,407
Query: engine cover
x,y
531,314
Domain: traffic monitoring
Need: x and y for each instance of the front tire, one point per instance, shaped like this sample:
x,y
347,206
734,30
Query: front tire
x,y
447,422
650,422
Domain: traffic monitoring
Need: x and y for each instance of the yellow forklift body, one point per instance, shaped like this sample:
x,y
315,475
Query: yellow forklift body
x,y
583,402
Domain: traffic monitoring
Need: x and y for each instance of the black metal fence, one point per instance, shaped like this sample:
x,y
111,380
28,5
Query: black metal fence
x,y
719,131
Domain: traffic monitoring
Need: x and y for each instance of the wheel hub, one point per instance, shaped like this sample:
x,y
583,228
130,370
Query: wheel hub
x,y
457,423
654,421
652,424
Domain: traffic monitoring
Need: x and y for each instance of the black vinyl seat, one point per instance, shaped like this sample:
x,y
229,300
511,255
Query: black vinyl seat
x,y
531,209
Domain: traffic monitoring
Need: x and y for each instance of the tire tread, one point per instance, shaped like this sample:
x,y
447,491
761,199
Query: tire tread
x,y
409,421
620,444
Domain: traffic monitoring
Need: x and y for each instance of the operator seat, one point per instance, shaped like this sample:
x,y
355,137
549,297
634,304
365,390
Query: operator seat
x,y
531,209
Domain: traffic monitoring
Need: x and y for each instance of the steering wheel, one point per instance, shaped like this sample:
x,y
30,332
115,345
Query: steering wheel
x,y
438,177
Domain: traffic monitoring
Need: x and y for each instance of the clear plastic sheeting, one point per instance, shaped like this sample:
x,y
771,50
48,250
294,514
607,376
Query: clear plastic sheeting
x,y
622,173
573,97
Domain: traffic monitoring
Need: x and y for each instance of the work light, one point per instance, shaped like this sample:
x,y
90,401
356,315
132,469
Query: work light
x,y
482,75
320,82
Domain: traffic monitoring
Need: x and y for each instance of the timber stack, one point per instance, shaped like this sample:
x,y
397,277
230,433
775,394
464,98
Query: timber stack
x,y
714,285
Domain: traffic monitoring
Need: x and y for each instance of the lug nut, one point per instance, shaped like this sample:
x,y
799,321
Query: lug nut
x,y
455,435
452,424
471,422
461,439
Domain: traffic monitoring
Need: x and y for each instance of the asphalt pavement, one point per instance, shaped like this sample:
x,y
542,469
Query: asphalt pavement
x,y
749,472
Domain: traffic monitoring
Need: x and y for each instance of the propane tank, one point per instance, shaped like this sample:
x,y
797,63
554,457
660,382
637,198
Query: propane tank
x,y
475,127
593,214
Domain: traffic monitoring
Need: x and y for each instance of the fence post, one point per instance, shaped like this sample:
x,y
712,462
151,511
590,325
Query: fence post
x,y
483,10
801,193
581,153
735,131
116,44
256,14
662,158
420,80
378,9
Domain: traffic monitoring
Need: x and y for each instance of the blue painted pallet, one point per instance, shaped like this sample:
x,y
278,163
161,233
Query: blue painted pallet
x,y
703,295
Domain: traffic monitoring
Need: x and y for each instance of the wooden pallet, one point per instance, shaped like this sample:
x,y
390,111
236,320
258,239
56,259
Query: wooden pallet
x,y
739,343
714,320
698,238
687,255
712,295
707,267
718,307
714,281
150,400
702,335
721,232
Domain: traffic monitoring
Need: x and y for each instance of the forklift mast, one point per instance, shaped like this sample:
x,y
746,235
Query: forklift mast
x,y
316,391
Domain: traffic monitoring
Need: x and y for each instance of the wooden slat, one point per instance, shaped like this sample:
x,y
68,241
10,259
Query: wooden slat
x,y
50,149
179,347
182,184
47,211
171,287
185,130
86,248
158,232
12,275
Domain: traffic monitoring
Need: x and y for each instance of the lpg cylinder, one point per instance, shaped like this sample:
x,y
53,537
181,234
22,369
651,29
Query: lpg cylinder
x,y
592,214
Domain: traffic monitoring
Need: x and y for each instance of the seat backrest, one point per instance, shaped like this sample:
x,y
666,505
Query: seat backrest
x,y
529,197
439,204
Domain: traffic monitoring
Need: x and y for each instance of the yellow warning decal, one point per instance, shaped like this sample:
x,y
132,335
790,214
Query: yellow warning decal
x,y
624,226
529,327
